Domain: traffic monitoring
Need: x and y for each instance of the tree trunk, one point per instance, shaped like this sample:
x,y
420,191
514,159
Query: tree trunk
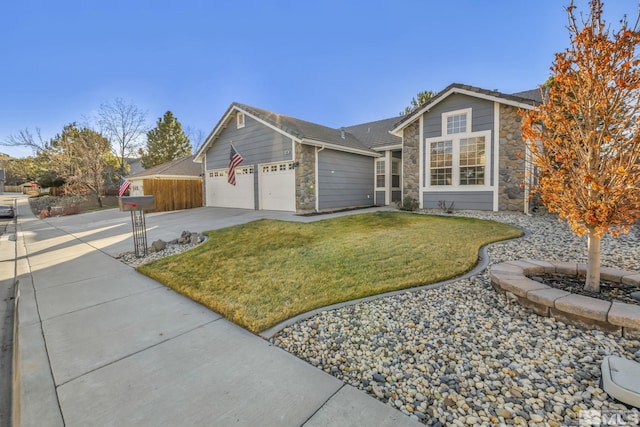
x,y
593,262
99,201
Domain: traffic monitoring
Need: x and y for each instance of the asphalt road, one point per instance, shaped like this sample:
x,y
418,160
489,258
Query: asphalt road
x,y
7,254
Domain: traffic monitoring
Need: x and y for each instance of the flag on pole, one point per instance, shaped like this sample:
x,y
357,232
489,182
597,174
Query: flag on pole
x,y
234,160
124,186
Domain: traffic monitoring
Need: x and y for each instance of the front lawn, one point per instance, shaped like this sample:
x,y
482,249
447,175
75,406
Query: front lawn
x,y
264,272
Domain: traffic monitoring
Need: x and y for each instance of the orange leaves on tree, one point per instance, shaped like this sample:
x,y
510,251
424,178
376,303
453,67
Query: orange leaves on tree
x,y
585,138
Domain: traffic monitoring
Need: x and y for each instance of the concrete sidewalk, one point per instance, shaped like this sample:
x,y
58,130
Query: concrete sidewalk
x,y
101,345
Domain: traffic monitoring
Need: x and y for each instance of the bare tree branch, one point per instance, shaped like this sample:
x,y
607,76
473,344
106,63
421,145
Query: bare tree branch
x,y
196,136
25,138
125,125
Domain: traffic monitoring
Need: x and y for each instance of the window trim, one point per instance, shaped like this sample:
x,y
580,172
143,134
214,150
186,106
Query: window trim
x,y
396,161
455,138
384,174
239,120
465,111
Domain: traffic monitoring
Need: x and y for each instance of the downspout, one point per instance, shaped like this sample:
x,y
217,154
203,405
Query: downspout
x,y
318,150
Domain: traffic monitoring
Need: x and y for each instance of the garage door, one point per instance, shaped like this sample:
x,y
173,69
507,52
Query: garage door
x,y
222,194
278,186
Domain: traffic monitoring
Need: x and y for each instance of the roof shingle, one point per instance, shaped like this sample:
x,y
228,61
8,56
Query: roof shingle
x,y
183,166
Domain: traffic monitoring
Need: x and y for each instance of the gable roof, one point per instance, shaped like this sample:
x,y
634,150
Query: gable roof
x,y
533,94
183,166
376,134
135,165
525,100
300,131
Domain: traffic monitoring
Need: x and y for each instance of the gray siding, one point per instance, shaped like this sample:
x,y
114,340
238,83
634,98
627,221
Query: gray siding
x,y
380,197
476,200
344,180
255,142
481,118
481,115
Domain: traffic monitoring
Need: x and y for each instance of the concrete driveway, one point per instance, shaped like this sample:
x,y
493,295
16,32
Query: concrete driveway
x,y
101,345
111,232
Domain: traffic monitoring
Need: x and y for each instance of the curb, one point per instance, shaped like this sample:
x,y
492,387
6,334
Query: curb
x,y
585,312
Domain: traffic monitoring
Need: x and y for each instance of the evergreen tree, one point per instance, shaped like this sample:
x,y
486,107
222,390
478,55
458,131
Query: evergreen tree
x,y
165,142
422,98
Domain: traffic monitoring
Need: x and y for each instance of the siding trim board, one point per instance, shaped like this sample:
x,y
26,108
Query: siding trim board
x,y
496,157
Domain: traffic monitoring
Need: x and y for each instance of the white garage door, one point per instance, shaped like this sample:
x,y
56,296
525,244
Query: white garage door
x,y
222,194
278,186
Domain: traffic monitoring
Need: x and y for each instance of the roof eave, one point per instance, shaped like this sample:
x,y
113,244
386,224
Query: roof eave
x,y
397,131
199,157
160,176
317,143
388,147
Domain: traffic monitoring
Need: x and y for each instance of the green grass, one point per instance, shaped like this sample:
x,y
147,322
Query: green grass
x,y
264,272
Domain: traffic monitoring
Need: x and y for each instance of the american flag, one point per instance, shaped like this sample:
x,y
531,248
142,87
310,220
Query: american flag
x,y
124,186
234,160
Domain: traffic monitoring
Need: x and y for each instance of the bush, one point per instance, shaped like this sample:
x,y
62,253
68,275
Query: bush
x,y
408,204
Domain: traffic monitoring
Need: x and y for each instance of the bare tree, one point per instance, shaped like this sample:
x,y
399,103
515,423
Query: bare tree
x,y
124,124
196,136
25,138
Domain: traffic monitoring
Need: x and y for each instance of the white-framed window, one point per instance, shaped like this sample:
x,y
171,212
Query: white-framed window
x,y
380,174
472,160
440,162
459,158
395,173
456,122
239,120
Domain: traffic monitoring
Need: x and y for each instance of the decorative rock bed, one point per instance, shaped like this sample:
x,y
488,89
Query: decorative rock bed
x,y
615,317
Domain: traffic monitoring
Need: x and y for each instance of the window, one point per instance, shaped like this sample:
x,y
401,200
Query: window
x,y
441,162
459,158
472,161
239,120
380,179
395,173
456,122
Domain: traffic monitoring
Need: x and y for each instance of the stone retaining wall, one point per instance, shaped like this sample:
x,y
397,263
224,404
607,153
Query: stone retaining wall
x,y
585,312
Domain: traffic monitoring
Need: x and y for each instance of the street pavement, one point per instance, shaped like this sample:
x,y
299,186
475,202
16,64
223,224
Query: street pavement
x,y
102,345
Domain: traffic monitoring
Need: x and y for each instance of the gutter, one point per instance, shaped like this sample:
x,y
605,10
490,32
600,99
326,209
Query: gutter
x,y
324,145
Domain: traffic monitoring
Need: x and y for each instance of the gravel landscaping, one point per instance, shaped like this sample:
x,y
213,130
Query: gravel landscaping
x,y
464,355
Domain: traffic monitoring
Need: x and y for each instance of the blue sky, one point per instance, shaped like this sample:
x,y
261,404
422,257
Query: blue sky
x,y
332,62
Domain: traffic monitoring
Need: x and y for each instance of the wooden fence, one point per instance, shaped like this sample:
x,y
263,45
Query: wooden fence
x,y
13,189
174,194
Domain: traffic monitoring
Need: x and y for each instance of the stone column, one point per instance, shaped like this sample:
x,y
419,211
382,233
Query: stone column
x,y
411,161
512,154
305,178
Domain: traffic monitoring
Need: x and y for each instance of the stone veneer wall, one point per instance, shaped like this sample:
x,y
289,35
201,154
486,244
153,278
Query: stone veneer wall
x,y
512,168
411,161
305,178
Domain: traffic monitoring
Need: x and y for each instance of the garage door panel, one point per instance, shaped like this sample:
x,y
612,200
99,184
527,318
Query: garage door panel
x,y
278,187
222,194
